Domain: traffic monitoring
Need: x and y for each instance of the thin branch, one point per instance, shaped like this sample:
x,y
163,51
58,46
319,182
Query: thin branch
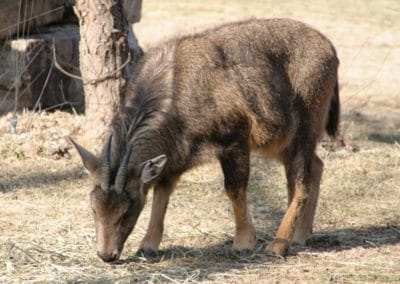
x,y
395,229
15,83
58,66
71,104
370,83
18,75
66,101
26,253
3,75
31,59
15,86
87,80
44,86
17,65
32,18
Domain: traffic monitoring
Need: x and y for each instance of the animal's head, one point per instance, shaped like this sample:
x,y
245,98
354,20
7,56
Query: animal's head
x,y
118,196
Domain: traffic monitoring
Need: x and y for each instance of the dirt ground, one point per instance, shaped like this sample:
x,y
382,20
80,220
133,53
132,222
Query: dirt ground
x,y
46,227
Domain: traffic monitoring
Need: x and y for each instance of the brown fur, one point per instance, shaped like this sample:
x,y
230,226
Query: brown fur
x,y
259,84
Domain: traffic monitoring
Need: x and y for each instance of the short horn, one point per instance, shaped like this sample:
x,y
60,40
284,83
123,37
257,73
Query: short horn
x,y
90,161
106,166
120,180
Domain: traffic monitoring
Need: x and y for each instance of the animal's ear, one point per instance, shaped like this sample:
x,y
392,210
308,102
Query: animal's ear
x,y
152,168
90,161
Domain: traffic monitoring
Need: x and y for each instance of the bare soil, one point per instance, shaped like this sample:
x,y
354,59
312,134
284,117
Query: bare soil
x,y
46,227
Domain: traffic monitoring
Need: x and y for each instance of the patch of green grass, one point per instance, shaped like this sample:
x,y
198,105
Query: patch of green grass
x,y
19,154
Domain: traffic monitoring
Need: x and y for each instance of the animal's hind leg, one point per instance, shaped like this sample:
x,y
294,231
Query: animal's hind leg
x,y
305,225
304,171
235,165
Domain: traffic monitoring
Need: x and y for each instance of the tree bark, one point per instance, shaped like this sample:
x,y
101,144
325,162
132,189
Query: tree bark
x,y
104,56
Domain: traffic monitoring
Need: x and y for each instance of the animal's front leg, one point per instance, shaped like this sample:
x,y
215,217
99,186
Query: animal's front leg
x,y
151,241
245,236
235,165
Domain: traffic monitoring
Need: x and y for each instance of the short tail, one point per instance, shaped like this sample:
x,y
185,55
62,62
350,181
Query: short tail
x,y
332,125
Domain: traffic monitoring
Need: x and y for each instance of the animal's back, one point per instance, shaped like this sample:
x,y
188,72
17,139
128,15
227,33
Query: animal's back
x,y
255,81
253,72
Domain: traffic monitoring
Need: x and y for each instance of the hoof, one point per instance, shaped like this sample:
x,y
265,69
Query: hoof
x,y
244,253
147,253
249,246
278,247
301,236
245,241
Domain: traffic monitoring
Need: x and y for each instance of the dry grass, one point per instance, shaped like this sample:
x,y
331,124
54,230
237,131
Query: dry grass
x,y
46,230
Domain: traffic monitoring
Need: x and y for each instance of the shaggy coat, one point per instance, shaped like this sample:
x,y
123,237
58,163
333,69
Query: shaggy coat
x,y
269,85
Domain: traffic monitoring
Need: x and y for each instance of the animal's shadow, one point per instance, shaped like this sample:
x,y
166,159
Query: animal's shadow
x,y
218,258
324,241
39,179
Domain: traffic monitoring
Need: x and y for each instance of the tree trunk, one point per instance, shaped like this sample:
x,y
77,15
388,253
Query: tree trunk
x,y
104,53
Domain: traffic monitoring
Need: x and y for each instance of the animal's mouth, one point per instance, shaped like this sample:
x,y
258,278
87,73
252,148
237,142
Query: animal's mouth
x,y
114,256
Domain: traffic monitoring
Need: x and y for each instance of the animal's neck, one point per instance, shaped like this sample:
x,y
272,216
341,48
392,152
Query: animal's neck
x,y
146,145
162,135
149,103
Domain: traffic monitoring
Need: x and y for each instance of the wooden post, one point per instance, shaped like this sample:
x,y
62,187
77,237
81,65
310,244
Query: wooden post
x,y
104,54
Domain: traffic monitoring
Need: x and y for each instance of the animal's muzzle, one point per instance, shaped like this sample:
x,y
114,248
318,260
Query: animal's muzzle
x,y
106,257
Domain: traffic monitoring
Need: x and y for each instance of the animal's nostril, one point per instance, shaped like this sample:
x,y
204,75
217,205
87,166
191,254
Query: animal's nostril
x,y
107,257
116,253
